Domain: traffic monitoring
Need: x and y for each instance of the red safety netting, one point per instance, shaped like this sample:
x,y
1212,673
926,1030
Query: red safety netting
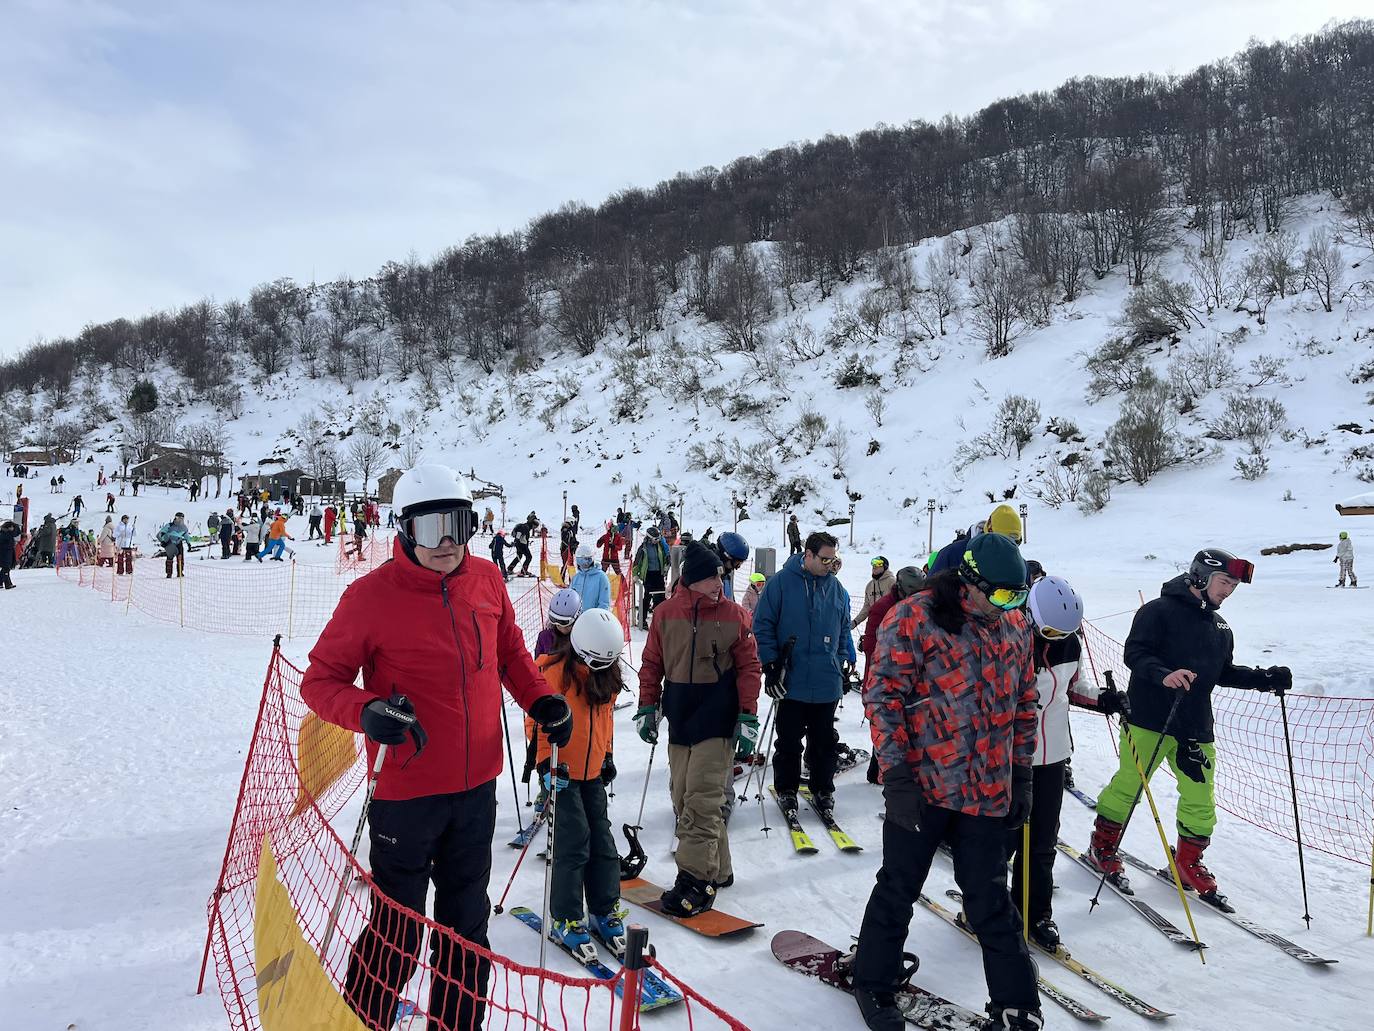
x,y
1333,758
298,775
352,560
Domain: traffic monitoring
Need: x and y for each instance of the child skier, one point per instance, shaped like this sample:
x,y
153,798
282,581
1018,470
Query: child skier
x,y
564,608
1056,613
586,864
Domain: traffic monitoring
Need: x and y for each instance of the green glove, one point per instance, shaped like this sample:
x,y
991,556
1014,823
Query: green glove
x,y
646,722
746,735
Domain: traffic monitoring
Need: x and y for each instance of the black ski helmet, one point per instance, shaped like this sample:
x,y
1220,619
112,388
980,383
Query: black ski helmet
x,y
1210,561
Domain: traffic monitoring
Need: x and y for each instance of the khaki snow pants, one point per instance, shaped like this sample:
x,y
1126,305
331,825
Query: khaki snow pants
x,y
696,780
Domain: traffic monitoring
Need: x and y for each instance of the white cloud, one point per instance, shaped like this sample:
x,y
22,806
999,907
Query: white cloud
x,y
153,154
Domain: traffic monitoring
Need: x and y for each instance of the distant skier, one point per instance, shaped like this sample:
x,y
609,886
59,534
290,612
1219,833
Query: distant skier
x,y
175,538
650,568
9,540
498,553
794,541
878,584
1345,555
591,584
610,544
1179,643
520,540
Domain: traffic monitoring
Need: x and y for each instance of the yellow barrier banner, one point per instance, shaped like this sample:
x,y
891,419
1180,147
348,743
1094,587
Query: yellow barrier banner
x,y
324,753
294,992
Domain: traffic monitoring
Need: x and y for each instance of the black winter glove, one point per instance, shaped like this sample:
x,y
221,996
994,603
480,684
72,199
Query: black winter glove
x,y
905,804
390,722
1192,761
1022,779
774,680
1113,702
554,718
608,770
1278,679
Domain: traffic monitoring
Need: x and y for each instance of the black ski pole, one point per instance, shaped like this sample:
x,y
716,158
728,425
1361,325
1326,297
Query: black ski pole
x,y
510,759
1297,824
1145,772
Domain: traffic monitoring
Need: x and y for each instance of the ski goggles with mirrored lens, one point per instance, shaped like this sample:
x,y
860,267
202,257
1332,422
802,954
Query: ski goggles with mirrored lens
x,y
1242,569
1007,598
429,529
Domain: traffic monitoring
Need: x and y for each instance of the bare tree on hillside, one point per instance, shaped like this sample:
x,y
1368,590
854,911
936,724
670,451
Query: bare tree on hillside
x,y
364,453
1322,268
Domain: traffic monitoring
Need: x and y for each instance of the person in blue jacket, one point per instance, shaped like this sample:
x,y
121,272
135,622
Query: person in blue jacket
x,y
801,623
592,585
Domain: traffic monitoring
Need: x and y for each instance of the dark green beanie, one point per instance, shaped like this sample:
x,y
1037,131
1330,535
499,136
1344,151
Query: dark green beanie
x,y
995,559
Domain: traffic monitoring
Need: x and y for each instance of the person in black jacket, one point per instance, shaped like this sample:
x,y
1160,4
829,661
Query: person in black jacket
x,y
9,536
1179,642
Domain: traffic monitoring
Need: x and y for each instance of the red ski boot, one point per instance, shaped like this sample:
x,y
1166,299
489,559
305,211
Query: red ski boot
x,y
1194,874
1103,852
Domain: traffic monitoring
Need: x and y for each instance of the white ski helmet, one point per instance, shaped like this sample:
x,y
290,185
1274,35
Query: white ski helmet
x,y
1055,607
598,638
565,607
586,558
428,485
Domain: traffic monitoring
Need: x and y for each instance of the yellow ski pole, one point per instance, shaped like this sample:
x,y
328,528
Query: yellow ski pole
x,y
1025,880
1163,839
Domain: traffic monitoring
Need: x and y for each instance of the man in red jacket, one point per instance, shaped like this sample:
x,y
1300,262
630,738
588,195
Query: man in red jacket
x,y
434,634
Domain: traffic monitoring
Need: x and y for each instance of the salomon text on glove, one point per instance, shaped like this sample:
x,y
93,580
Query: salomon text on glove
x,y
390,722
554,718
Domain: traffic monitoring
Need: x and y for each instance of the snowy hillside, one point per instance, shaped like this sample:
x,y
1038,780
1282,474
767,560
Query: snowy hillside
x,y
121,740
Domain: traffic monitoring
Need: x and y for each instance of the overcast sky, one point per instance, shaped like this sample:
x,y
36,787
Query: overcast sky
x,y
154,153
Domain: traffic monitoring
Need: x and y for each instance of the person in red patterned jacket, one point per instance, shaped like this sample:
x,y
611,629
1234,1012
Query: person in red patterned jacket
x,y
951,699
434,634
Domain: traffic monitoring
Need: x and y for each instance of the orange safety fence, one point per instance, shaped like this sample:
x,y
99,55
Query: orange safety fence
x,y
301,936
350,560
1333,758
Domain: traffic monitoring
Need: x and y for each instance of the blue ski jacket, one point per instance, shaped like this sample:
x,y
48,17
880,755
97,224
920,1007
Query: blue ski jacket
x,y
815,610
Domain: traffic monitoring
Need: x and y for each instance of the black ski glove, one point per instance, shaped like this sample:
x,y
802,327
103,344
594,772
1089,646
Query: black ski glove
x,y
905,804
1113,702
1192,761
1277,679
774,679
389,722
1022,780
608,770
554,718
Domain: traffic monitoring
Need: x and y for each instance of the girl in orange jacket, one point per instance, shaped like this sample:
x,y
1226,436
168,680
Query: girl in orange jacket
x,y
586,864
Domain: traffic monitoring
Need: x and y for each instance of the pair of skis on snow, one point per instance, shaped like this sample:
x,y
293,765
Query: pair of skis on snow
x,y
801,841
1162,924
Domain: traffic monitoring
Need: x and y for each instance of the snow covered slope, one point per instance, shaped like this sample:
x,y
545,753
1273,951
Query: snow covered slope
x,y
121,741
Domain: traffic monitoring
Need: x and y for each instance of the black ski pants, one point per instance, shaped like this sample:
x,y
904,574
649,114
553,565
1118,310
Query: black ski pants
x,y
1047,798
654,592
586,862
980,870
315,530
814,721
445,839
522,554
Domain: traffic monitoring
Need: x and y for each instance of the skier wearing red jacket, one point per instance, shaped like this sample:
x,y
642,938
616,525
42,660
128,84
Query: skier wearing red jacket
x,y
434,634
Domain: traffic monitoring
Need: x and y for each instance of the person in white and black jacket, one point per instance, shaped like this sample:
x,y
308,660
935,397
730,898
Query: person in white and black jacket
x,y
1056,614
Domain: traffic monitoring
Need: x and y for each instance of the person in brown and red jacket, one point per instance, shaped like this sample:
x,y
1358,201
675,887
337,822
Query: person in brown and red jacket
x,y
951,698
434,634
702,664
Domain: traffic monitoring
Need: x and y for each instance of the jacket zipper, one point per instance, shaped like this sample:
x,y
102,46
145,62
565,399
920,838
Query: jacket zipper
x,y
692,660
477,631
462,665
